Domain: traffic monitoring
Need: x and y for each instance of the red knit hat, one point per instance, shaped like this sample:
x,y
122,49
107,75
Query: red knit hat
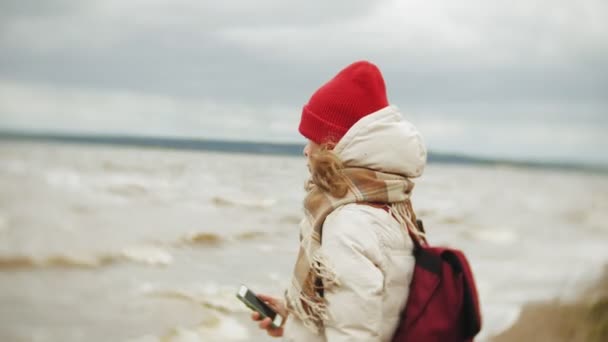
x,y
356,91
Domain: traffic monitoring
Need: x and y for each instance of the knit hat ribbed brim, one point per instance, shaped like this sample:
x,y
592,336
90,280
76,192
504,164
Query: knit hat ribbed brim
x,y
356,91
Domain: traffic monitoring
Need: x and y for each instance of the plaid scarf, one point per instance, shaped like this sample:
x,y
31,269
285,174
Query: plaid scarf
x,y
313,274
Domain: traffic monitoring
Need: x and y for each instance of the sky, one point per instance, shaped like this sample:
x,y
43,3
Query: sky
x,y
503,79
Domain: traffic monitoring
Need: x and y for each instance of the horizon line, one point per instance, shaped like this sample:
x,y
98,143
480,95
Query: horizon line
x,y
267,148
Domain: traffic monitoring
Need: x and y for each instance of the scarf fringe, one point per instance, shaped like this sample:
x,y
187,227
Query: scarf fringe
x,y
324,271
312,310
401,213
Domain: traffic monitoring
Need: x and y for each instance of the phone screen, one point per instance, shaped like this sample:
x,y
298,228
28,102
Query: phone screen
x,y
251,300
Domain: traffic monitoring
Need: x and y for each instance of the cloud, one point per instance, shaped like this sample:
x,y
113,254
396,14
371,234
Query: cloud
x,y
465,50
548,141
40,107
460,69
58,24
464,33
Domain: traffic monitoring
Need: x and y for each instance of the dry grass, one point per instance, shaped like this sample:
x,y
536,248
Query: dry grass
x,y
585,320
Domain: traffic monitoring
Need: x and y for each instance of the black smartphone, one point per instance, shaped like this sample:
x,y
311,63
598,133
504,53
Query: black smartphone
x,y
254,303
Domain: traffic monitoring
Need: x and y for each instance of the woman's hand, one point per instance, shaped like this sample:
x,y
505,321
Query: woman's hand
x,y
278,306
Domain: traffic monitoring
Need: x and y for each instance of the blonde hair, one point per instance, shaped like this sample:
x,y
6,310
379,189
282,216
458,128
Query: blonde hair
x,y
326,169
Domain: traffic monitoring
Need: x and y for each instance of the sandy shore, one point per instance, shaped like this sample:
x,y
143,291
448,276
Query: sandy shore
x,y
584,320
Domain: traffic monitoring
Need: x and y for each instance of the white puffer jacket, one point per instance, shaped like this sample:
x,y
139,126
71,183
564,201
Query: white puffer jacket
x,y
369,251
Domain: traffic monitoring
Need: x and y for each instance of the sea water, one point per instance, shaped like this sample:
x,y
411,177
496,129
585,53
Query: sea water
x,y
102,243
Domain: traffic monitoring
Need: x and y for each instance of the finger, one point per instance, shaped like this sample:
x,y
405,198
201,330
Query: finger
x,y
271,301
278,332
255,316
265,323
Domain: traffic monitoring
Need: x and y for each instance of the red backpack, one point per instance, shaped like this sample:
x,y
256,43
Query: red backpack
x,y
442,304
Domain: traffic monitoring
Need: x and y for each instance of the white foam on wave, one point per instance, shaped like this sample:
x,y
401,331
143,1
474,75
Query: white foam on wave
x,y
56,260
150,255
214,239
210,296
130,185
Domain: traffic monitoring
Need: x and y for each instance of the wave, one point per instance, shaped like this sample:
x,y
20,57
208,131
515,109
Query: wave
x,y
201,238
213,239
128,190
19,262
452,219
117,167
221,323
148,255
151,255
210,296
250,235
214,328
130,184
246,203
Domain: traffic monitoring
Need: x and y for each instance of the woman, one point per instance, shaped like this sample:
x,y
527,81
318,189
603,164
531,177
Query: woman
x,y
352,274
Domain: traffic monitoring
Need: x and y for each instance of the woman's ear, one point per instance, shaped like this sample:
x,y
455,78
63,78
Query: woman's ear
x,y
306,150
330,145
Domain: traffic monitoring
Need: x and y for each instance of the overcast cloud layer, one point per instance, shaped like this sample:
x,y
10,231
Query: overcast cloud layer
x,y
517,79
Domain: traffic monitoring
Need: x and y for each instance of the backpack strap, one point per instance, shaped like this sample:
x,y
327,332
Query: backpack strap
x,y
471,312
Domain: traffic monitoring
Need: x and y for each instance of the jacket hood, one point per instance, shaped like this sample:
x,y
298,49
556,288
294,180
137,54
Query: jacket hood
x,y
384,141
